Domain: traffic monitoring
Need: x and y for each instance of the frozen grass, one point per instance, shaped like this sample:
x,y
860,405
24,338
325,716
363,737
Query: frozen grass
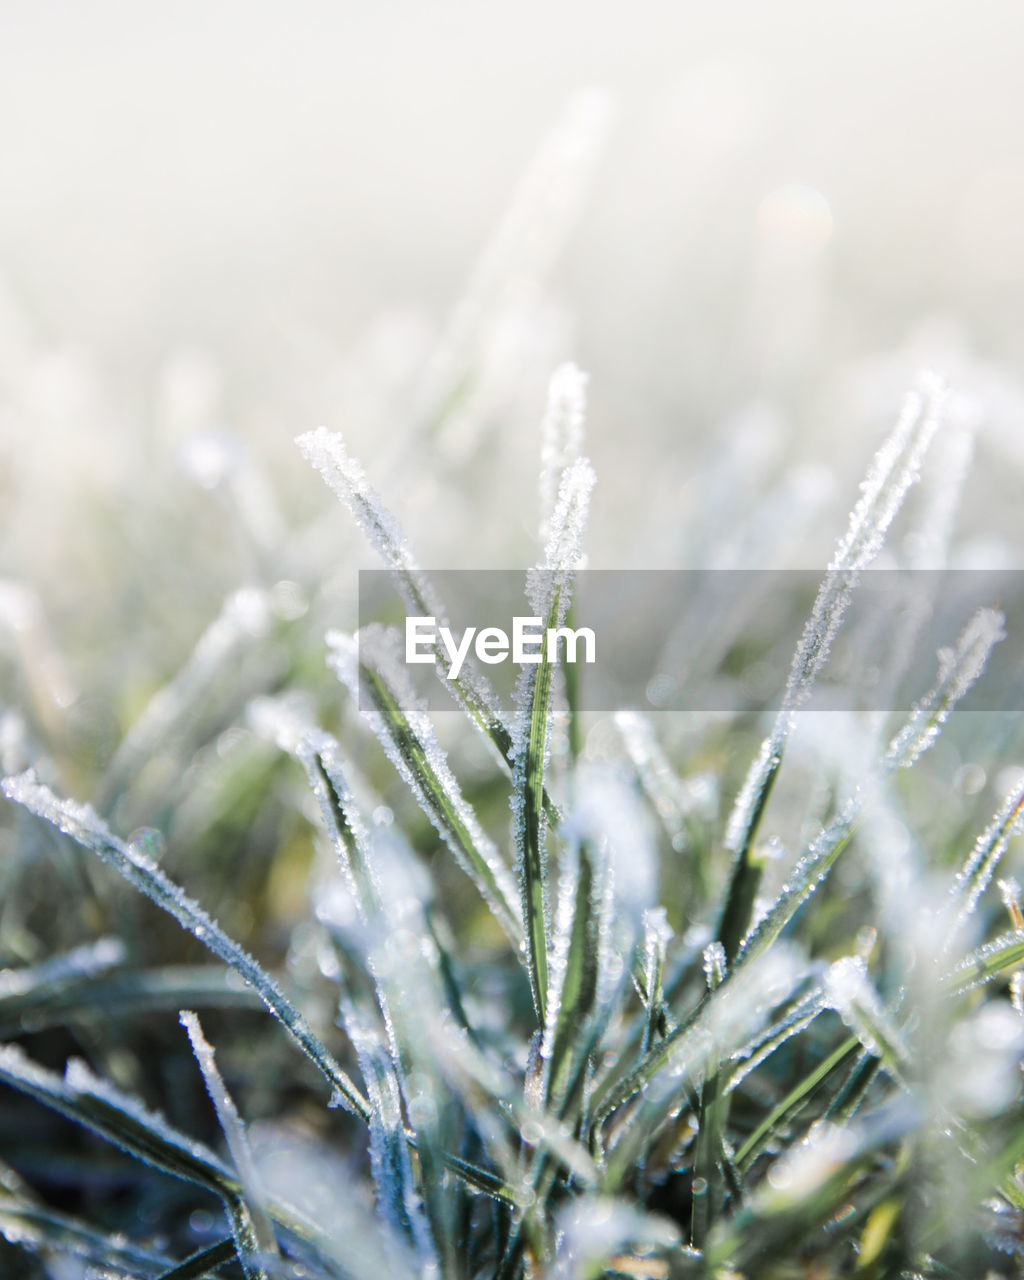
x,y
617,1033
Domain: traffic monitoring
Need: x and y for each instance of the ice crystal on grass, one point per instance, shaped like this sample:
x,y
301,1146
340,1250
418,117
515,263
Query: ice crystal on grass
x,y
115,1116
750,1056
326,451
255,1234
714,964
82,963
319,755
753,794
369,665
470,689
397,1201
549,589
848,990
959,668
974,876
562,440
895,468
563,547
83,825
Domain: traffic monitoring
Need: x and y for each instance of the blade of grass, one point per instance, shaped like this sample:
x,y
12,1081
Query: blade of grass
x,y
997,959
575,965
369,667
122,994
203,1263
894,469
795,1100
254,1234
550,592
39,1229
84,826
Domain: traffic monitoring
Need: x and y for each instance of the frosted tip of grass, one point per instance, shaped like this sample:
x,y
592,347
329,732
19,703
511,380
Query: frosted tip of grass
x,y
752,794
1009,892
547,586
564,547
976,873
562,438
845,981
960,666
254,1233
326,452
896,466
656,928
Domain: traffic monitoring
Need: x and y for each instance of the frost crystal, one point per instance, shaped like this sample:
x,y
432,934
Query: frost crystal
x,y
83,825
562,441
549,586
371,668
263,1241
895,468
563,549
714,964
751,796
756,1050
345,476
849,992
959,668
974,876
325,450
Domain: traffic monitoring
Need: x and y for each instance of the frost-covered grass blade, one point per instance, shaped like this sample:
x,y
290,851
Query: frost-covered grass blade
x,y
368,666
82,825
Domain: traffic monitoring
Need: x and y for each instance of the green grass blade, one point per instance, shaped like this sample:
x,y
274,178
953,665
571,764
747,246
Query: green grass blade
x,y
122,994
82,825
997,959
41,1230
203,1263
572,1000
91,1102
345,476
369,667
805,878
531,822
894,469
254,1233
795,1100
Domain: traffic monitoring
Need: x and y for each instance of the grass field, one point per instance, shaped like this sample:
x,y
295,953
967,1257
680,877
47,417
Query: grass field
x,y
302,978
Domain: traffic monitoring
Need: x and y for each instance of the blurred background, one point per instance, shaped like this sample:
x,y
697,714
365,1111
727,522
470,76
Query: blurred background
x,y
224,223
